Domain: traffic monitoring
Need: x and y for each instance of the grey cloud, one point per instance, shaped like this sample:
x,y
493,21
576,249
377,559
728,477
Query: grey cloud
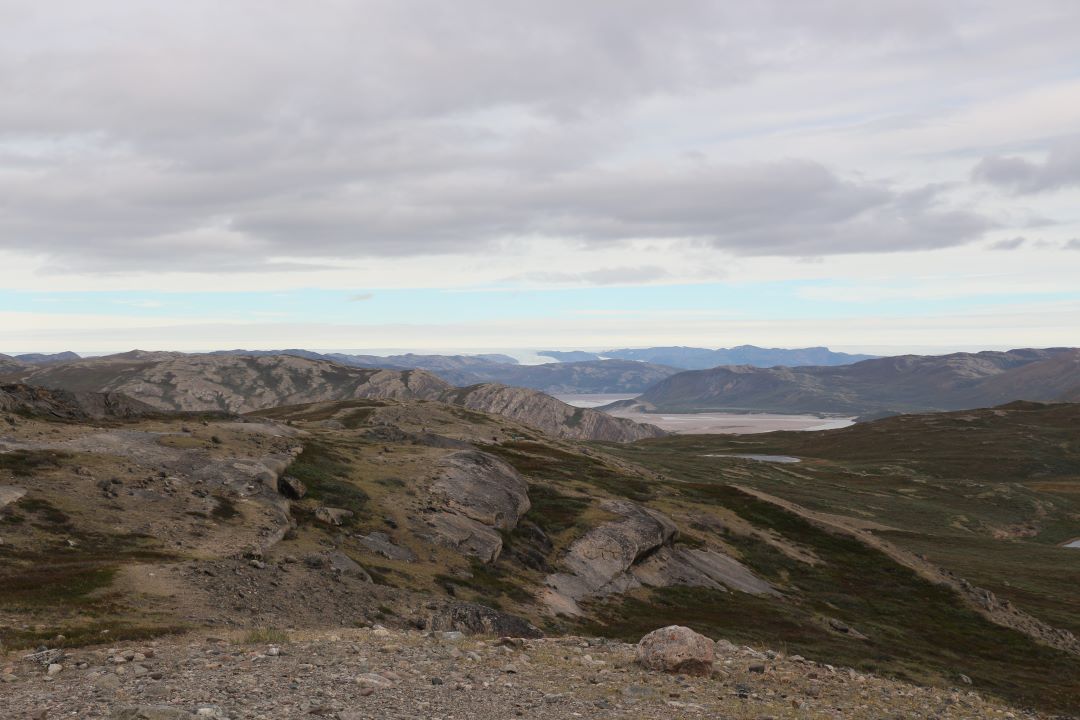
x,y
1073,244
1060,169
256,134
1009,244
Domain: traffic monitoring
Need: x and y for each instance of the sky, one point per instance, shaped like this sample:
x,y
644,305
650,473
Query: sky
x,y
884,177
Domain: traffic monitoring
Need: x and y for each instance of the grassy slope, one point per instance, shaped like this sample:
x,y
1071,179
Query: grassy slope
x,y
984,494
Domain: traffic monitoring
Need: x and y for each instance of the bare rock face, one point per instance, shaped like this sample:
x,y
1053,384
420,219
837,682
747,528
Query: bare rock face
x,y
697,567
482,487
475,495
676,649
597,563
636,550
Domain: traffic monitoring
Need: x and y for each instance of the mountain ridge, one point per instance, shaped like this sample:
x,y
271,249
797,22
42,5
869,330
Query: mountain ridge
x,y
905,383
695,358
244,383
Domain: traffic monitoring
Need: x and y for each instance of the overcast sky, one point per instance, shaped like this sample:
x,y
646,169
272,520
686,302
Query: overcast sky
x,y
500,174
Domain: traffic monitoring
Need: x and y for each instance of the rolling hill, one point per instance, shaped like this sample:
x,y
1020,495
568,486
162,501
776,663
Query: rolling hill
x,y
906,383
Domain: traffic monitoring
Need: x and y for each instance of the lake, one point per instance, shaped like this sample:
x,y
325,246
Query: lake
x,y
713,423
759,458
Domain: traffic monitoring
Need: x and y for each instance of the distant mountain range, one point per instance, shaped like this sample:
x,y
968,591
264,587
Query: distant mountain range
x,y
693,358
236,383
593,376
905,383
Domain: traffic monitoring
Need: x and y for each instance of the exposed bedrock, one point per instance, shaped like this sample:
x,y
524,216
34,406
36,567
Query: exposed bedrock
x,y
637,550
473,497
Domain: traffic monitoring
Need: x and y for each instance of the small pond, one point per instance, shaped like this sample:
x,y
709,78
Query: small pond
x,y
762,458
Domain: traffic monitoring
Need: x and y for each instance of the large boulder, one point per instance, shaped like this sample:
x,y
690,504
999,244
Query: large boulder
x,y
676,649
481,487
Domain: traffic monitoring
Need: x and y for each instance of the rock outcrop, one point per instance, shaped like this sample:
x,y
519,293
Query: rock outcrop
x,y
474,619
677,649
473,497
696,567
637,550
597,563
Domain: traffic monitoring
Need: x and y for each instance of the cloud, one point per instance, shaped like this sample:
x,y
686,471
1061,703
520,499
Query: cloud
x,y
1073,244
1060,169
1009,244
361,297
258,136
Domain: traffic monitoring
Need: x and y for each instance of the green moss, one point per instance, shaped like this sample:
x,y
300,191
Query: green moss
x,y
552,511
26,463
327,475
545,462
489,583
224,508
357,418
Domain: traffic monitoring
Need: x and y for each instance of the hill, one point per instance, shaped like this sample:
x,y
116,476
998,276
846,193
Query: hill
x,y
906,383
692,358
8,364
243,383
421,514
46,358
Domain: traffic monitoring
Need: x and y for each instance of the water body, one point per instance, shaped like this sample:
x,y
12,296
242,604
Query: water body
x,y
592,400
713,423
761,458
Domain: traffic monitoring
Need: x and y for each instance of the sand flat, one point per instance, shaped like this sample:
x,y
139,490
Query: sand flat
x,y
713,422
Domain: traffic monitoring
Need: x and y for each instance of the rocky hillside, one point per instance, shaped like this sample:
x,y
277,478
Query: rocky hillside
x,y
907,383
552,416
437,517
692,358
9,364
243,383
29,400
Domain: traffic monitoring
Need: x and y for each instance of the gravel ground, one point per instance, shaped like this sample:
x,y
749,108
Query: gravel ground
x,y
360,674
